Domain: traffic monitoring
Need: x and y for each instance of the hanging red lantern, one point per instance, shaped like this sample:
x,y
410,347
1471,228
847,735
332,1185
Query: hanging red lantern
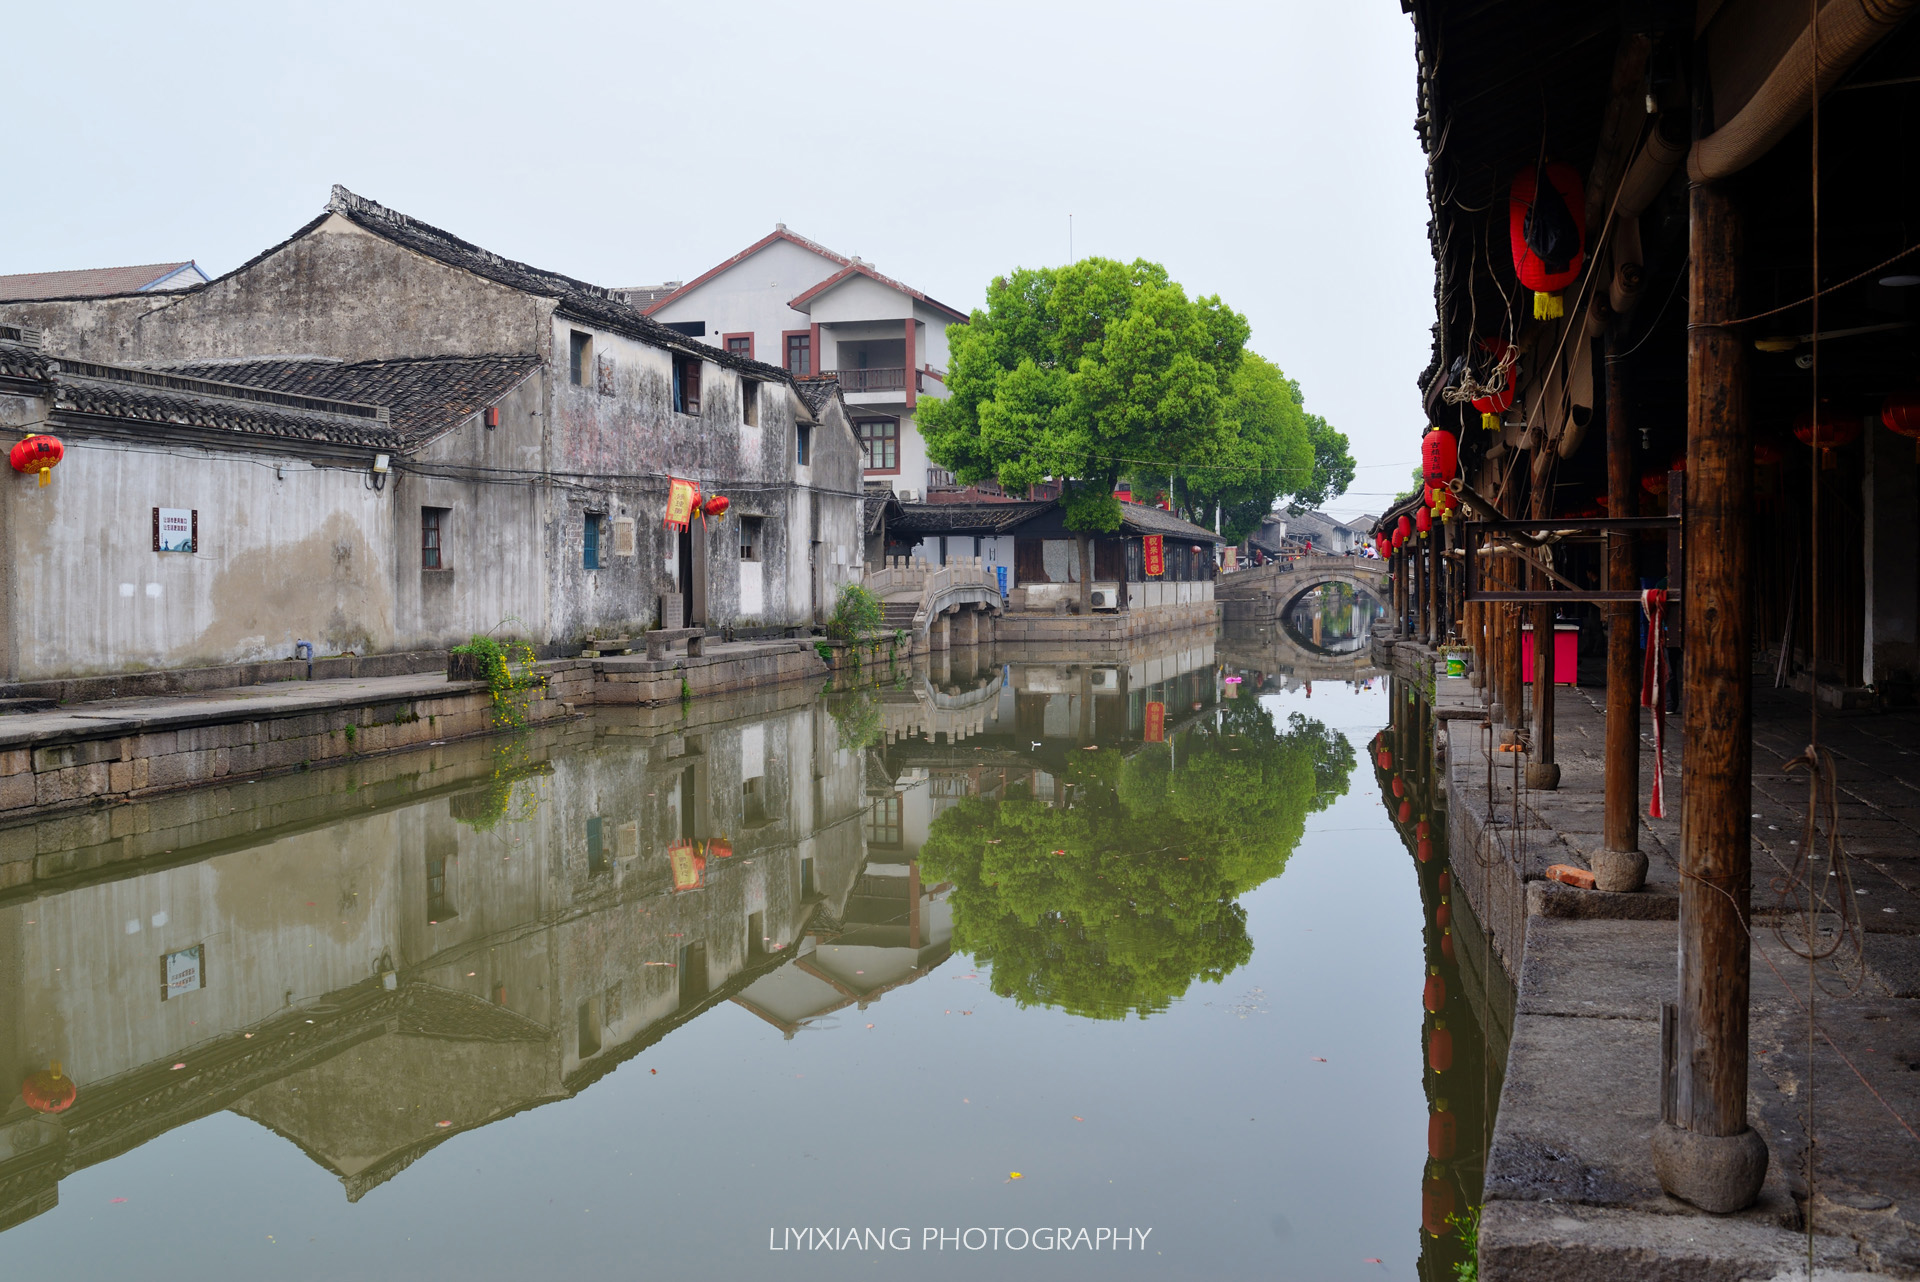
x,y
1399,786
1767,451
1440,1047
1901,414
1425,829
1446,944
1424,850
1423,521
1435,997
38,454
717,505
1386,759
1444,883
49,1090
1436,1203
1443,1134
1406,811
1827,432
1494,404
1443,914
1547,230
1439,456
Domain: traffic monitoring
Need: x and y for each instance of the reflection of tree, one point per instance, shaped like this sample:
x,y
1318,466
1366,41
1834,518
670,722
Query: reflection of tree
x,y
857,717
1140,901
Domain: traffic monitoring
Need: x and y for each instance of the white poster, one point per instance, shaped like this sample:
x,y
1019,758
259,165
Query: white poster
x,y
185,972
176,529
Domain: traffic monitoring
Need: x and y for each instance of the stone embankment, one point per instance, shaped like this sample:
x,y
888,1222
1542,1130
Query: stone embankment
x,y
1570,1188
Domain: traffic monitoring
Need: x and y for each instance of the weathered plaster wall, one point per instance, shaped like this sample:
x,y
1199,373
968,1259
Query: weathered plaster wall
x,y
337,291
288,551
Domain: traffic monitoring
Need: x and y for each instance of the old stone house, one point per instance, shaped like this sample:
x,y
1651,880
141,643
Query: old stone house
x,y
516,433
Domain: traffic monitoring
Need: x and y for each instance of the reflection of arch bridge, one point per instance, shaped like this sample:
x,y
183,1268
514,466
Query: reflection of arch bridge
x,y
924,709
1268,592
1268,647
941,605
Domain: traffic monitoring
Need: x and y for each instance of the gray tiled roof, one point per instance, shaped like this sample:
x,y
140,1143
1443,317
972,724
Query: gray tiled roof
x,y
90,282
1142,518
965,518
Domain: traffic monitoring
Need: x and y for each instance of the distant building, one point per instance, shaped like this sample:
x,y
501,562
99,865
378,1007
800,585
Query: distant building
x,y
96,282
795,303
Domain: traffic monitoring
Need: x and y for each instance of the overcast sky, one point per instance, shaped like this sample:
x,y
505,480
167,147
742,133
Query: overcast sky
x,y
1263,152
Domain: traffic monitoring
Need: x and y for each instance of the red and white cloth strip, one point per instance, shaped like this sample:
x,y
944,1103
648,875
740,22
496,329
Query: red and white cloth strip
x,y
1653,691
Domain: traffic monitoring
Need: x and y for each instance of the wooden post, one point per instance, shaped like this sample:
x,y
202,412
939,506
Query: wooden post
x,y
1620,866
1431,555
1703,1151
1513,689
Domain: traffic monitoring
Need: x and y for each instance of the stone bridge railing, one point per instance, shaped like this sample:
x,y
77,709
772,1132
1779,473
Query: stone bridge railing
x,y
1265,590
965,589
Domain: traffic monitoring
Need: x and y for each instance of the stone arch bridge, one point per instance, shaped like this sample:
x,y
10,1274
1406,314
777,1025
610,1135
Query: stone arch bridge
x,y
938,605
1268,592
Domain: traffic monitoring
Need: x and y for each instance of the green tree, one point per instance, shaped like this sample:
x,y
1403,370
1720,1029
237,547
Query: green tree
x,y
1086,373
1332,466
1266,457
1117,904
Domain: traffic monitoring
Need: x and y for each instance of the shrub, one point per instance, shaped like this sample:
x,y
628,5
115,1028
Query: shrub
x,y
510,676
855,615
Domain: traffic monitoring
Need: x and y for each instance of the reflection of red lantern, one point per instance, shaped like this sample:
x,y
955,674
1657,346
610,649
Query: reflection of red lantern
x,y
1444,883
1406,811
1423,850
1435,996
1436,1204
1547,231
1443,915
1425,828
1443,1133
720,847
1399,786
38,454
1386,759
49,1090
1439,456
1446,944
1901,414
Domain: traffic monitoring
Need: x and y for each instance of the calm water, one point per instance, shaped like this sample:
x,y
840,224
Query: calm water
x,y
647,996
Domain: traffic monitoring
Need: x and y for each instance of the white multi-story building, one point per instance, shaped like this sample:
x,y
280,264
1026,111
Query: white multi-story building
x,y
791,302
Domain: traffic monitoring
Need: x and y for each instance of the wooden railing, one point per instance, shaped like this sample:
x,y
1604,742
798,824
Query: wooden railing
x,y
871,380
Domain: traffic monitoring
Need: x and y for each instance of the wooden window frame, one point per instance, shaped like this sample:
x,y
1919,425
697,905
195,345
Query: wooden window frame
x,y
786,353
727,341
433,520
686,384
803,445
866,454
590,541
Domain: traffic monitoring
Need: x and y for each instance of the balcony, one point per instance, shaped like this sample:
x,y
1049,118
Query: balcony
x,y
875,380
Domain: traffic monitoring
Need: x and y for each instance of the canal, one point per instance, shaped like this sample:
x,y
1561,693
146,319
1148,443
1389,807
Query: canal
x,y
1160,948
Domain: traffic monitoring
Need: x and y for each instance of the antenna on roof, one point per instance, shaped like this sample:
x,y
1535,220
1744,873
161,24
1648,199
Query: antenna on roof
x,y
1069,240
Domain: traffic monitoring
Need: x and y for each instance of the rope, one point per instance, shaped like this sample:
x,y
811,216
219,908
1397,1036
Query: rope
x,y
1653,691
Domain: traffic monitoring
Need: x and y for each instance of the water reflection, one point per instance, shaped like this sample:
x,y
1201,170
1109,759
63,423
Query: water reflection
x,y
1466,996
1333,619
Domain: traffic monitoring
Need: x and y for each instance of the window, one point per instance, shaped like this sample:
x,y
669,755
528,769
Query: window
x,y
880,444
596,846
753,801
800,353
686,384
750,538
579,357
590,541
803,445
883,822
806,879
439,899
589,1023
433,535
750,402
740,345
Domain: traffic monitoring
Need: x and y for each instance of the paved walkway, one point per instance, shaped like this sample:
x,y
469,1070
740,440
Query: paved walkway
x,y
1570,1173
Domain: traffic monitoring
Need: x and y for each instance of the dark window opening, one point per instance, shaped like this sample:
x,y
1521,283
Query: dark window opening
x,y
433,534
803,445
879,444
884,823
753,801
596,846
750,402
579,357
693,972
750,527
692,329
686,384
800,354
589,1021
806,879
439,895
590,541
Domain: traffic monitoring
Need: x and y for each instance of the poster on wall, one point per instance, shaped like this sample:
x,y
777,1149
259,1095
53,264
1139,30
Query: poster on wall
x,y
176,529
182,972
1154,548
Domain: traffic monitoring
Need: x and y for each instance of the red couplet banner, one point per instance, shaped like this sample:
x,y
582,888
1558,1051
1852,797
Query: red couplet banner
x,y
1156,723
1155,548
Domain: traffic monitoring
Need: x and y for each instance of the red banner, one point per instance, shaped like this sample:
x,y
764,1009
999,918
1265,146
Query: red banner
x,y
1154,549
1156,723
683,497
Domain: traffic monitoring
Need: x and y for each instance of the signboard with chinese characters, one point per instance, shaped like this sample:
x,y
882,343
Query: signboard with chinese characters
x,y
689,868
182,972
176,529
1154,551
1156,723
682,498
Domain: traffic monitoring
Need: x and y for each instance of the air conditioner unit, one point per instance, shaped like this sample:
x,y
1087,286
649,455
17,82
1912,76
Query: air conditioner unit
x,y
1106,596
905,496
1106,679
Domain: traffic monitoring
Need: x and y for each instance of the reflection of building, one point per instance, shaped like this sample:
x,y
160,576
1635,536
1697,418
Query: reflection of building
x,y
444,953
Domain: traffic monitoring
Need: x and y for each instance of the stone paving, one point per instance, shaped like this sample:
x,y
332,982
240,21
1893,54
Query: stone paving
x,y
1570,1186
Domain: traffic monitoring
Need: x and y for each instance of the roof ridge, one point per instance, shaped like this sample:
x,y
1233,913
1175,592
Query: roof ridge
x,y
356,207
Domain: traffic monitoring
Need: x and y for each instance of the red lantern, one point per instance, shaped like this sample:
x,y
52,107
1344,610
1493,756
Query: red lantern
x,y
1425,829
1767,452
1399,786
1547,231
1406,811
1423,521
1443,915
1827,431
1445,883
1436,1204
1492,406
1901,414
1440,1047
38,454
1435,997
49,1090
1446,944
717,505
1443,1135
1439,456
1386,759
1424,850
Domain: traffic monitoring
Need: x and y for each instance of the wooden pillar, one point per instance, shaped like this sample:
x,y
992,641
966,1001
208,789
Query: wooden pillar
x,y
1703,1151
1513,698
1429,549
1620,866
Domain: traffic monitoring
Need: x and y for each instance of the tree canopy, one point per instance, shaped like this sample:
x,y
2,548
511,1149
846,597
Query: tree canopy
x,y
1115,905
1332,466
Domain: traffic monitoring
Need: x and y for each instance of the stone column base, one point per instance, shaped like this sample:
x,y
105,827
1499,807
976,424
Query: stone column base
x,y
1718,1173
1618,871
1543,776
